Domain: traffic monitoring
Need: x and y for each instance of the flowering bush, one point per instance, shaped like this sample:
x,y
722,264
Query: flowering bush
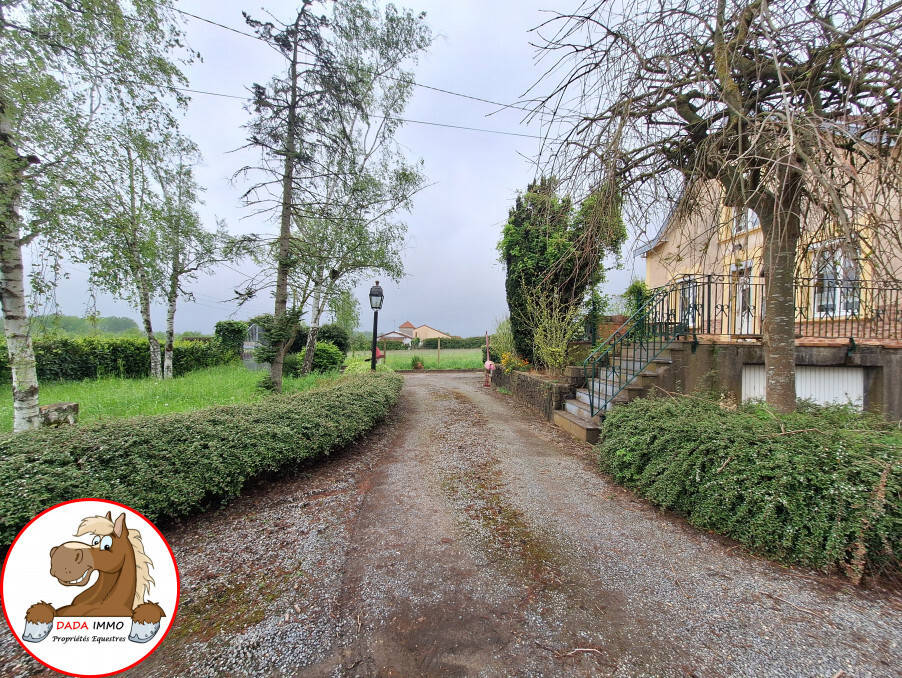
x,y
511,362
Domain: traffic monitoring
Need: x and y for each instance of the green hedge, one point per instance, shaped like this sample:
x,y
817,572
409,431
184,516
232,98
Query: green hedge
x,y
61,358
390,345
821,487
231,334
174,465
454,342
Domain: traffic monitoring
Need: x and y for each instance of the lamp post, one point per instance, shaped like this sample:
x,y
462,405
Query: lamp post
x,y
375,303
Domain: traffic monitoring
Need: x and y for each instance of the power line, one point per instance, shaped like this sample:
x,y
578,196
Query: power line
x,y
380,117
390,77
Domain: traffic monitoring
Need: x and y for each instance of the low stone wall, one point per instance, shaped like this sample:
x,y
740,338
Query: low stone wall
x,y
718,367
539,392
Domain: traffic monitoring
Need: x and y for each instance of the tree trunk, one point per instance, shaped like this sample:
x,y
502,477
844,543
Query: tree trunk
x,y
282,265
315,316
171,299
154,345
781,241
12,287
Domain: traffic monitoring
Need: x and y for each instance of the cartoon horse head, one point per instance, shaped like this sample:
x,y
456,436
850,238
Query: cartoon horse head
x,y
116,553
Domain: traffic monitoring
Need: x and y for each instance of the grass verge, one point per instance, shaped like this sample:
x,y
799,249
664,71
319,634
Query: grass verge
x,y
821,487
450,358
113,397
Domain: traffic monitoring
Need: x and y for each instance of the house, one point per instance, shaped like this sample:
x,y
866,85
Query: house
x,y
395,335
702,326
411,331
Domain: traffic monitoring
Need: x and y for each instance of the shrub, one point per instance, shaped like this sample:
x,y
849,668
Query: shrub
x,y
820,487
174,465
231,334
336,335
326,357
390,345
67,358
416,362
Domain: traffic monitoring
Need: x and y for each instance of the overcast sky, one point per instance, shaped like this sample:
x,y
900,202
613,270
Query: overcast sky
x,y
453,278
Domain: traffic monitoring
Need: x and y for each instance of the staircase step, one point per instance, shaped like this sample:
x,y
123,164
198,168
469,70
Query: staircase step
x,y
579,427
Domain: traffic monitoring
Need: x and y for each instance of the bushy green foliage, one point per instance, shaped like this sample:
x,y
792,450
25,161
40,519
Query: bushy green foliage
x,y
548,244
63,358
820,487
174,465
276,332
361,341
326,357
416,362
390,345
636,295
335,334
231,334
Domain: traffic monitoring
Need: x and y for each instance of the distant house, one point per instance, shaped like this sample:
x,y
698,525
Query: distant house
x,y
394,335
408,331
423,332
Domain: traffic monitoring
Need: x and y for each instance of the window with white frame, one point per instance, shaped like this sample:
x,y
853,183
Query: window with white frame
x,y
836,280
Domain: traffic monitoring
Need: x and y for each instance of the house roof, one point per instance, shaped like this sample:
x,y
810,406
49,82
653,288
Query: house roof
x,y
434,330
393,335
409,324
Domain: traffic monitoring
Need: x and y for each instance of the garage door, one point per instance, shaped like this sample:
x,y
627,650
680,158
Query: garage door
x,y
823,385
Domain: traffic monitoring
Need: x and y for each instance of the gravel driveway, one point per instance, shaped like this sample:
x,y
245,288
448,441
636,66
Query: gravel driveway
x,y
465,537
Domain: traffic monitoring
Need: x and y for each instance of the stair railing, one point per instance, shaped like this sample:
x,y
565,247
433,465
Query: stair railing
x,y
619,360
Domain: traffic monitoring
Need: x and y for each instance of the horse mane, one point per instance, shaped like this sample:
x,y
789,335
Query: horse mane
x,y
101,526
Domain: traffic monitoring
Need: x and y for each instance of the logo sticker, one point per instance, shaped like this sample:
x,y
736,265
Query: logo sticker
x,y
90,587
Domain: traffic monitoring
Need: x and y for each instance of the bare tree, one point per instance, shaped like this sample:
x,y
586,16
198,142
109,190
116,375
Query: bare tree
x,y
790,108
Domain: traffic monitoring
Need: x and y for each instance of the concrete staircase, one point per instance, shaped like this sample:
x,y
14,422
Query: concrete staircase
x,y
576,417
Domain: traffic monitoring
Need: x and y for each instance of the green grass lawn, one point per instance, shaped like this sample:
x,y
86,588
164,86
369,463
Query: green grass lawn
x,y
113,397
450,359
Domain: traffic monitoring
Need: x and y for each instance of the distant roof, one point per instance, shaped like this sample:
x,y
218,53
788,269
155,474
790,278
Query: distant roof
x,y
433,329
393,335
409,324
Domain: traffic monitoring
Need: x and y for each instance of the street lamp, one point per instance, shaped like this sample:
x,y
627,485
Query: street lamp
x,y
375,303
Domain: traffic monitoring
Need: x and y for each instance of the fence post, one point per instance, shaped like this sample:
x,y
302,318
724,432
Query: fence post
x,y
708,306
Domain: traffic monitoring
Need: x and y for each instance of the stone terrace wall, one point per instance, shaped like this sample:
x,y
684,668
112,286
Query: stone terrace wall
x,y
539,392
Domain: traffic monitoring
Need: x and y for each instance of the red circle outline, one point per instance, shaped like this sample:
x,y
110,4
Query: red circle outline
x,y
178,589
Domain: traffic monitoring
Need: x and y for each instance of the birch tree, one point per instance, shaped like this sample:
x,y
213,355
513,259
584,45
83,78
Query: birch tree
x,y
789,108
60,61
361,178
126,215
186,247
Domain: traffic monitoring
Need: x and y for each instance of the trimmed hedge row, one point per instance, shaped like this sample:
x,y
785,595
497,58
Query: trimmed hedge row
x,y
174,465
454,342
62,358
821,487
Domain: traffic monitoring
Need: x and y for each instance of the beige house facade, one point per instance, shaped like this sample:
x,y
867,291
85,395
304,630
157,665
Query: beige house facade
x,y
719,252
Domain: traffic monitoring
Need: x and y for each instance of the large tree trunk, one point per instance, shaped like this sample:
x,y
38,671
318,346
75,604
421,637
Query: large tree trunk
x,y
172,299
781,241
282,266
12,286
317,312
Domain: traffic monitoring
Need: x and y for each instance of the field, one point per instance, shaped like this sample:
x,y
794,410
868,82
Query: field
x,y
450,359
114,397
